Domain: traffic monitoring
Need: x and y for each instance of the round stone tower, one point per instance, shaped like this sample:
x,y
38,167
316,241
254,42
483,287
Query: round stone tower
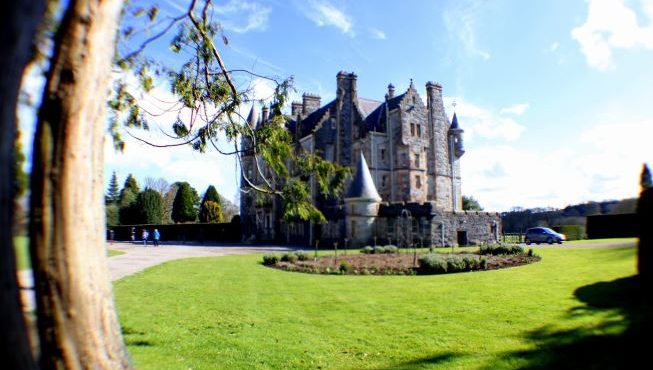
x,y
362,206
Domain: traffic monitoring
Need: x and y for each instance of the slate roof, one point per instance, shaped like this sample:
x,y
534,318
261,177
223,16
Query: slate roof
x,y
309,123
362,186
375,121
454,122
251,117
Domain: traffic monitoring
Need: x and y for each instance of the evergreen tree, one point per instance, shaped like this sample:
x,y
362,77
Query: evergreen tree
x,y
471,204
184,207
128,210
646,182
113,194
112,214
213,213
149,207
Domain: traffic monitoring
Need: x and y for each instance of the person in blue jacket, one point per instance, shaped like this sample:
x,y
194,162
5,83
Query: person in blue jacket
x,y
155,237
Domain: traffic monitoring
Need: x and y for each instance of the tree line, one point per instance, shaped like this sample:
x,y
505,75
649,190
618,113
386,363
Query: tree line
x,y
163,203
518,219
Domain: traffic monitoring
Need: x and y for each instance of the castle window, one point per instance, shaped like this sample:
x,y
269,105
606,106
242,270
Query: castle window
x,y
383,154
417,160
384,181
418,181
419,130
404,159
328,153
391,225
353,230
412,129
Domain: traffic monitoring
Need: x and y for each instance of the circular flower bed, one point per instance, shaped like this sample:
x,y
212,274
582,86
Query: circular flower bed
x,y
390,261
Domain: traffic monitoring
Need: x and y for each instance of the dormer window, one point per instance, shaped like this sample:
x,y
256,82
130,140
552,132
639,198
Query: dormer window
x,y
412,129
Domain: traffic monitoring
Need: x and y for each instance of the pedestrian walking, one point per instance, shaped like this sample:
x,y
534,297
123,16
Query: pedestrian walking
x,y
133,234
145,235
111,236
155,237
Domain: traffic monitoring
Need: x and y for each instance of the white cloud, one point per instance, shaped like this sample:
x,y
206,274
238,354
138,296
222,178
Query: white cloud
x,y
516,109
605,164
461,22
323,13
611,24
243,16
484,123
377,34
554,46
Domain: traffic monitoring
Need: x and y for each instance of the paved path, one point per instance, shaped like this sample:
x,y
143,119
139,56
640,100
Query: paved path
x,y
138,258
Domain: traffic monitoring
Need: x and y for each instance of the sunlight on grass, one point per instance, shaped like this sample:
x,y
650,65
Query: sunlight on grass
x,y
232,312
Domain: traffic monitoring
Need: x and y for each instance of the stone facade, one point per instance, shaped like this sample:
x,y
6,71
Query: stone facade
x,y
409,153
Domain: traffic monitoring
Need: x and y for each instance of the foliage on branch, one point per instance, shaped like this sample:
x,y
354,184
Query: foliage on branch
x,y
208,101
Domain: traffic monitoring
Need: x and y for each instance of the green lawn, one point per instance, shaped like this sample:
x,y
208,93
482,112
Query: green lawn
x,y
231,312
22,252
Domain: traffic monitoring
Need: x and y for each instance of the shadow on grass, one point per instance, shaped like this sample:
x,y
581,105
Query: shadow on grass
x,y
425,362
610,344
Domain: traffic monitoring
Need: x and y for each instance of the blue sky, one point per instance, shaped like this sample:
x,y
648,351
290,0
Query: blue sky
x,y
554,96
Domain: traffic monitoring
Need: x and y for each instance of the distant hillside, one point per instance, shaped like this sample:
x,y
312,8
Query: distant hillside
x,y
518,219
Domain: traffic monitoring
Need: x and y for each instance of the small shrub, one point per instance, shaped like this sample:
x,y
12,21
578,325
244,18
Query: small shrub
x,y
483,263
530,252
367,250
432,263
500,249
455,264
471,262
390,249
289,257
379,250
344,267
301,256
270,259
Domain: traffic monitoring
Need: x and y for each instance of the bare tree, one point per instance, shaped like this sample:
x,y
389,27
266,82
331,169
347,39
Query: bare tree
x,y
160,185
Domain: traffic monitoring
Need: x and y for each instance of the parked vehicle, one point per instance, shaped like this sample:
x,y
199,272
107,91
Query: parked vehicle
x,y
539,235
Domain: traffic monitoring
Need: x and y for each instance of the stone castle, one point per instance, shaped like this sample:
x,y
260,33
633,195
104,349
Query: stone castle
x,y
406,187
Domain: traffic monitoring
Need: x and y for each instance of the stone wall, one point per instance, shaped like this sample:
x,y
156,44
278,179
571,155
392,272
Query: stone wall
x,y
478,228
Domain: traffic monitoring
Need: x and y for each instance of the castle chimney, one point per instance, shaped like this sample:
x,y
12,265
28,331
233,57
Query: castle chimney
x,y
433,93
347,82
296,108
311,103
391,91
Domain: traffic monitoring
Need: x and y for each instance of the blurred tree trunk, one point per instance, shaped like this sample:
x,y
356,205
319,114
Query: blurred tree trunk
x,y
19,21
77,321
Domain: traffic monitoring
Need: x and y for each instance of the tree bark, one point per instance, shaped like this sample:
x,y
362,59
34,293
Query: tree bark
x,y
18,24
77,322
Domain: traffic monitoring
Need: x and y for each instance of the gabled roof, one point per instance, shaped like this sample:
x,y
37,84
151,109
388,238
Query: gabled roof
x,y
367,106
375,121
362,187
309,123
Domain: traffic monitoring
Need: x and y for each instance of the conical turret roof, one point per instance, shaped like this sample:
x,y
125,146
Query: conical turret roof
x,y
362,187
454,121
251,118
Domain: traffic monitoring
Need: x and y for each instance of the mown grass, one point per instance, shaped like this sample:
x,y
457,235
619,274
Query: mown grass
x,y
232,312
21,246
603,241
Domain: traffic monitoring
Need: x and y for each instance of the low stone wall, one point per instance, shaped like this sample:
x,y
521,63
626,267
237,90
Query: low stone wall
x,y
465,228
